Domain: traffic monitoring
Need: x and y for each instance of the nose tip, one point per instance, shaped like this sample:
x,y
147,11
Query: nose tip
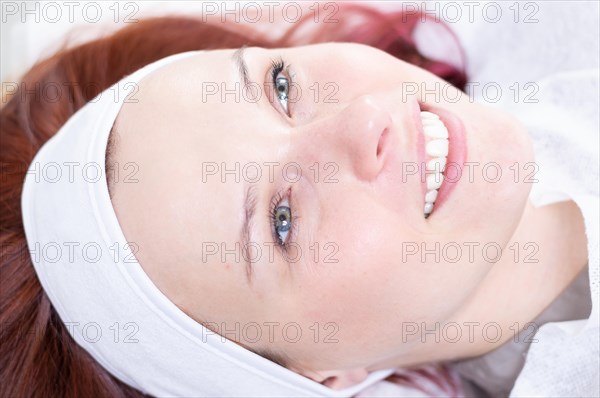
x,y
368,128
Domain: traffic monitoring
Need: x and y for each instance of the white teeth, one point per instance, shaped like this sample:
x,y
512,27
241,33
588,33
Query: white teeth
x,y
429,115
434,181
436,148
428,209
431,122
431,196
435,129
436,164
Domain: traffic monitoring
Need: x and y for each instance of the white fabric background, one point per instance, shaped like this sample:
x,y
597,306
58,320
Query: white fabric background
x,y
558,56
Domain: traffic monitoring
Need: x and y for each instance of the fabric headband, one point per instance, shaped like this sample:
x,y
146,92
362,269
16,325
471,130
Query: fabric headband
x,y
101,293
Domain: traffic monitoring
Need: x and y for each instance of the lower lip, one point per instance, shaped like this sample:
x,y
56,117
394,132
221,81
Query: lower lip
x,y
457,154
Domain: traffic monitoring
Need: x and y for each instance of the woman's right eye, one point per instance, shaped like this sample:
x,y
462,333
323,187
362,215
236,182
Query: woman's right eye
x,y
281,84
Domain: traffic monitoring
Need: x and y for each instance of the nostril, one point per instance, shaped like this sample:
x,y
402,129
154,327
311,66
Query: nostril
x,y
381,143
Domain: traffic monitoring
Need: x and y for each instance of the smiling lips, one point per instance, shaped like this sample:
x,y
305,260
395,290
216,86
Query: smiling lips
x,y
436,151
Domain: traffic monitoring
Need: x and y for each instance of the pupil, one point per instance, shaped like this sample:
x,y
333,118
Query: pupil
x,y
283,218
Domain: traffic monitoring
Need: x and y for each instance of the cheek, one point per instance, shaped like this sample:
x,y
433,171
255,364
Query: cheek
x,y
502,157
358,271
371,275
361,231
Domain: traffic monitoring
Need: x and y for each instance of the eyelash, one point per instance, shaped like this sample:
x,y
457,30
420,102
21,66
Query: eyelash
x,y
278,66
277,199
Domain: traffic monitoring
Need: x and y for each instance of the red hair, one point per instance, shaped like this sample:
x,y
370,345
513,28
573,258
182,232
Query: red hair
x,y
37,354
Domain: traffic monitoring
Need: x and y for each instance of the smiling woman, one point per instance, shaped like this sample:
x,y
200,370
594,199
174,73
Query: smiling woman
x,y
275,218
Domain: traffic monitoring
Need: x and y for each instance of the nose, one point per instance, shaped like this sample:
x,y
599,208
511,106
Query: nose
x,y
359,132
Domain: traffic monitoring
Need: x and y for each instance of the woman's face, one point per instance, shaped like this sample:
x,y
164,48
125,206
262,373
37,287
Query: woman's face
x,y
325,197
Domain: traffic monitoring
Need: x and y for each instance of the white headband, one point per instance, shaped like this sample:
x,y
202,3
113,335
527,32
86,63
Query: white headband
x,y
102,294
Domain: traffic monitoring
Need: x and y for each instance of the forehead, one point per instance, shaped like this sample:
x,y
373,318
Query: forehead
x,y
178,139
200,97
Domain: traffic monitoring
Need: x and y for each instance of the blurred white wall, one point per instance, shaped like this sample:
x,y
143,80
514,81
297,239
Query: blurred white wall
x,y
33,30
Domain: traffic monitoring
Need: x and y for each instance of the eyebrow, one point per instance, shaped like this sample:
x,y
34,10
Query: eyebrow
x,y
240,61
250,201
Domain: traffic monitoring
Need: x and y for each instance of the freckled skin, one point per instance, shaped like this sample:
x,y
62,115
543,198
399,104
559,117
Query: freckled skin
x,y
357,281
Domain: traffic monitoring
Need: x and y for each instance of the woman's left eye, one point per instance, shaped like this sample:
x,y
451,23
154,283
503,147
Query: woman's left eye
x,y
282,221
281,84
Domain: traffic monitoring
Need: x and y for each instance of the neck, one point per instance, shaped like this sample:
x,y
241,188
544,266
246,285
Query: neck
x,y
546,253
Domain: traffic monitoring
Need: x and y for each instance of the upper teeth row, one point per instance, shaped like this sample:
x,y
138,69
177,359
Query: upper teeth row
x,y
436,148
